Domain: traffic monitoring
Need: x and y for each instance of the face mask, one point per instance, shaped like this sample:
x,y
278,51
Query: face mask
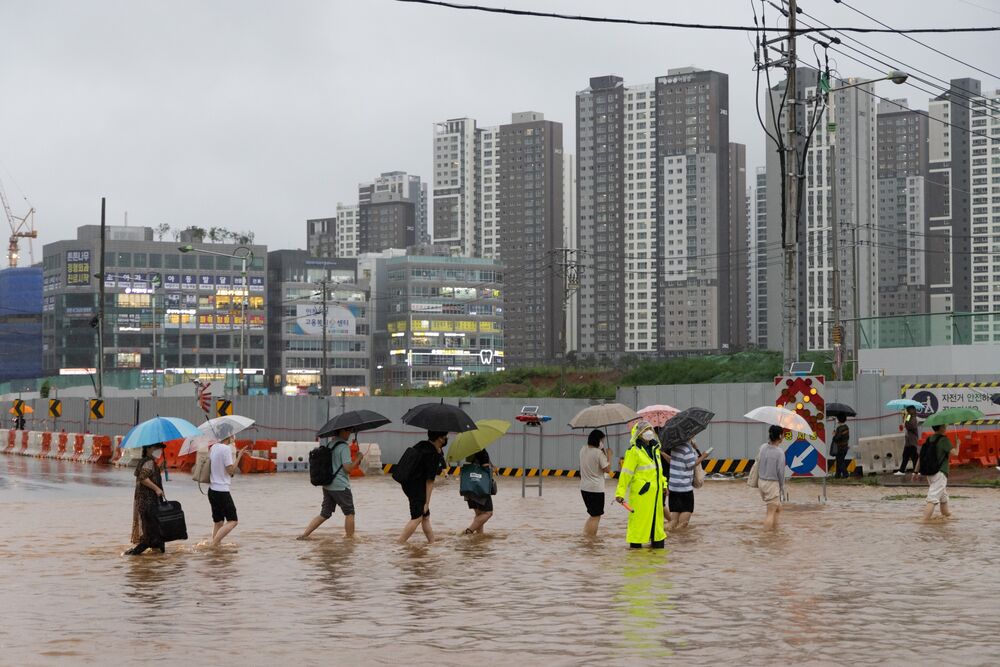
x,y
156,453
648,436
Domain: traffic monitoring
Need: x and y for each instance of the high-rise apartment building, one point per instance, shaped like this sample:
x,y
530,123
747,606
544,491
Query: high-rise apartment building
x,y
902,220
455,186
949,182
348,233
529,180
757,263
658,194
842,157
321,237
498,194
984,174
392,212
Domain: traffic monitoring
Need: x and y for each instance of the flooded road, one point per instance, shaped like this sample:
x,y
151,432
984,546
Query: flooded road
x,y
858,581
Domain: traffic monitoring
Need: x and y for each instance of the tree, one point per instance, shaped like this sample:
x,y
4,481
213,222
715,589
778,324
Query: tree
x,y
161,230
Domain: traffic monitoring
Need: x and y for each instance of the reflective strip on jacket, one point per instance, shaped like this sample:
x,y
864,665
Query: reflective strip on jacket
x,y
645,523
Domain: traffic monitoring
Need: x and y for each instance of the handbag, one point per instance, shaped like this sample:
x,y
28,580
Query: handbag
x,y
170,520
202,470
753,478
474,480
493,485
699,476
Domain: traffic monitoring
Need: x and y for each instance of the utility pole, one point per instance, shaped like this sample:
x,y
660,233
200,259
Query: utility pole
x,y
100,309
836,330
791,177
571,282
152,284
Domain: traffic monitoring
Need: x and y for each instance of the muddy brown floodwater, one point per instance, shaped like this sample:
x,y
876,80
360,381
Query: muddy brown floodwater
x,y
858,581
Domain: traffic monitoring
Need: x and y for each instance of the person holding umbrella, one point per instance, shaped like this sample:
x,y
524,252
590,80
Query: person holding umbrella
x,y
222,463
148,493
478,483
426,464
594,463
911,429
642,482
338,491
771,474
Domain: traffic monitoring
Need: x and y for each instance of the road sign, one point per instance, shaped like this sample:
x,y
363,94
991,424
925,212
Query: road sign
x,y
223,407
804,460
55,408
18,407
806,455
96,408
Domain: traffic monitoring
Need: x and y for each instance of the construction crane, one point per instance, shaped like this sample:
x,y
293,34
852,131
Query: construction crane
x,y
20,228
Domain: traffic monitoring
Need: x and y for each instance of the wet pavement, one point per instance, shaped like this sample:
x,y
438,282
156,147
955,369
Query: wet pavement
x,y
860,580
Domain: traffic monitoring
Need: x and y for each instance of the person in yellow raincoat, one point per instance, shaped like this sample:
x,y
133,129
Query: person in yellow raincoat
x,y
642,484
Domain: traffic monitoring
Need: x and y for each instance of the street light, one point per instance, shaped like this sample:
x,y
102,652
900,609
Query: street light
x,y
898,78
245,255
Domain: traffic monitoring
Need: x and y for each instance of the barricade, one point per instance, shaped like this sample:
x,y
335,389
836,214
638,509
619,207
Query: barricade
x,y
59,446
356,460
22,443
881,454
989,448
371,457
100,449
255,464
74,448
128,457
82,443
293,456
170,453
46,445
32,444
9,449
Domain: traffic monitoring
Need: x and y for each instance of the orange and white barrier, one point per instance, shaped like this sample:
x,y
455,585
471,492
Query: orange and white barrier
x,y
33,444
58,447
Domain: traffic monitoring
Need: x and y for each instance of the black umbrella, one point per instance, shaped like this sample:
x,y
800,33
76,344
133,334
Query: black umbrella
x,y
995,398
685,425
439,417
353,421
834,409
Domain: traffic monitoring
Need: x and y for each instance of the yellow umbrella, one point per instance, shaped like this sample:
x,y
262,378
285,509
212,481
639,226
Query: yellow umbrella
x,y
486,433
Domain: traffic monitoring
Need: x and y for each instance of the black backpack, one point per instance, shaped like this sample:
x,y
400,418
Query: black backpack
x,y
930,462
405,471
321,470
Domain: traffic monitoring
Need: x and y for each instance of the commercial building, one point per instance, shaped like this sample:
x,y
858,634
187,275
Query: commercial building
x,y
444,319
660,204
300,288
186,308
20,323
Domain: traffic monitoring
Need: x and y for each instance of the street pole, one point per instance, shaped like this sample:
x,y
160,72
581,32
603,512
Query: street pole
x,y
153,285
835,254
243,323
324,390
791,198
857,221
100,310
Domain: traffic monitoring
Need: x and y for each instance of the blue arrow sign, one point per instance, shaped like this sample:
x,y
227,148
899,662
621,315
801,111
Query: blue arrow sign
x,y
801,457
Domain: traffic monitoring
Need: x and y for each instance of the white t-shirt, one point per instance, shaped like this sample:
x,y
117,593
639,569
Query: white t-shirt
x,y
592,464
220,456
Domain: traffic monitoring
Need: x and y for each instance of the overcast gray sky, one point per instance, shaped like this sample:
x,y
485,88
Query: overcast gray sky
x,y
260,114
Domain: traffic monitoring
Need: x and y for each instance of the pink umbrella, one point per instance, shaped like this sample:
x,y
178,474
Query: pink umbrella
x,y
658,415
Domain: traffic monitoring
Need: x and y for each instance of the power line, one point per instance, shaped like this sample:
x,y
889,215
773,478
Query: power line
x,y
913,39
676,24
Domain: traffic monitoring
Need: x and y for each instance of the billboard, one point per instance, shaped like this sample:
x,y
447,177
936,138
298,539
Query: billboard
x,y
340,320
941,395
77,268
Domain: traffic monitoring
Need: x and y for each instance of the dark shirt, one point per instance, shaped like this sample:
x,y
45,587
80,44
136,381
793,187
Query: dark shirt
x,y
431,462
479,458
912,431
841,438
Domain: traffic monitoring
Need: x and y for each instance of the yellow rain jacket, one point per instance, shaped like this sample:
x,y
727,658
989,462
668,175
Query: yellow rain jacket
x,y
645,523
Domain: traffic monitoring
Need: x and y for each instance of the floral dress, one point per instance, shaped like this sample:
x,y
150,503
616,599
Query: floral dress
x,y
144,529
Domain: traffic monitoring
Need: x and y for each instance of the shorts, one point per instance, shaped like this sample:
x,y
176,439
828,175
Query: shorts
x,y
770,491
680,501
594,500
223,507
331,499
938,491
417,495
480,503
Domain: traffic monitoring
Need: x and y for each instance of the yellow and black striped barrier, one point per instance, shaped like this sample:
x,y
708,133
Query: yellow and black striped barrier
x,y
712,466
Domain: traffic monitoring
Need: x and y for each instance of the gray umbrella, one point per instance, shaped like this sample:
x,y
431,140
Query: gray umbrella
x,y
684,426
607,414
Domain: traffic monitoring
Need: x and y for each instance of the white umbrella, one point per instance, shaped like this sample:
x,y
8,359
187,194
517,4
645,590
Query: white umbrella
x,y
606,414
215,430
770,414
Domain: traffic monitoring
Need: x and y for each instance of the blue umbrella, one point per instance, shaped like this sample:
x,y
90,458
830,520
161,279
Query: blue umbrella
x,y
903,403
156,430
